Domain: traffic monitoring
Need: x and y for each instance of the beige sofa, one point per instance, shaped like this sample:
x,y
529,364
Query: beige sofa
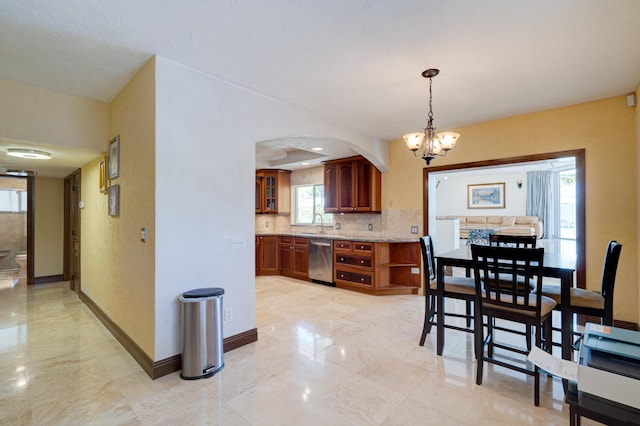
x,y
503,225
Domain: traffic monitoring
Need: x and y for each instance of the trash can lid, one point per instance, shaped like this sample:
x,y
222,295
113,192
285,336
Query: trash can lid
x,y
203,292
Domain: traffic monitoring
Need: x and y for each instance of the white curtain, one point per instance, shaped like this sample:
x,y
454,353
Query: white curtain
x,y
540,200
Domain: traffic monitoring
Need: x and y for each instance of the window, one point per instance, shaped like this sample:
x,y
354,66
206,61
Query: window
x,y
308,202
13,201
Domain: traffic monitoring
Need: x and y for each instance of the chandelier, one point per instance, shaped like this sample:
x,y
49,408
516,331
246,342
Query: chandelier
x,y
429,144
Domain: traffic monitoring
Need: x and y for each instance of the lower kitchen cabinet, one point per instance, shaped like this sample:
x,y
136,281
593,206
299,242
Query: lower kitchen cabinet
x,y
294,257
379,268
267,255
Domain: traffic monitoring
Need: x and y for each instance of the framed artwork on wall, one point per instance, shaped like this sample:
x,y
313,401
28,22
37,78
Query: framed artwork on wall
x,y
486,196
103,175
114,200
114,157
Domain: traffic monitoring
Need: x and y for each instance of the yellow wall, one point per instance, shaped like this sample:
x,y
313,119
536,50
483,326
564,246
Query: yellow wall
x,y
49,227
117,268
606,129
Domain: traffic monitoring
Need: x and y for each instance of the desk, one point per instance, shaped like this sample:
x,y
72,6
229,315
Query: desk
x,y
556,265
598,409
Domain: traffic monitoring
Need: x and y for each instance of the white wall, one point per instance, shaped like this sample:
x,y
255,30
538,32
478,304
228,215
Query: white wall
x,y
205,182
451,194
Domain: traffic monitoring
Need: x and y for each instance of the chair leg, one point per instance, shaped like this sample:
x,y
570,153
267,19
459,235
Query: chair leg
x,y
536,387
478,337
428,315
528,332
468,313
548,335
490,324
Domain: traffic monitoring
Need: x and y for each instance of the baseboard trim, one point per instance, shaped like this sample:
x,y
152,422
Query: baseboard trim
x,y
164,366
48,279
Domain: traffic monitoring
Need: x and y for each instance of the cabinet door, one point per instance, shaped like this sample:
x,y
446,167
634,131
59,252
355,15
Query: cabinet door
x,y
270,192
301,261
330,188
259,194
345,187
366,186
268,255
286,259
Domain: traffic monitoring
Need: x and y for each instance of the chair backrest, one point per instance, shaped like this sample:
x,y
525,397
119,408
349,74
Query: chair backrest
x,y
428,259
500,273
609,269
519,241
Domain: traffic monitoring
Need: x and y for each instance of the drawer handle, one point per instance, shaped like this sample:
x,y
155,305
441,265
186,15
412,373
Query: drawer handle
x,y
342,259
361,279
361,247
362,261
341,275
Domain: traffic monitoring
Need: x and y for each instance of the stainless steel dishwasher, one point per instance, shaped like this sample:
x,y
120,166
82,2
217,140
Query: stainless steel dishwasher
x,y
321,261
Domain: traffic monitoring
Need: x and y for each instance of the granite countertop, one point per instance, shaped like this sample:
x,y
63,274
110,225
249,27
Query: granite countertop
x,y
373,239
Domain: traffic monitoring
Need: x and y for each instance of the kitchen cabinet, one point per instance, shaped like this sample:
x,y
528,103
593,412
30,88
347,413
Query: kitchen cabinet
x,y
273,191
380,268
294,257
352,185
267,255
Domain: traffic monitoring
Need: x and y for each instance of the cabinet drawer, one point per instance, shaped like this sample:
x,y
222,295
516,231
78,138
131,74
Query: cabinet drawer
x,y
342,245
301,241
353,277
344,259
286,240
360,246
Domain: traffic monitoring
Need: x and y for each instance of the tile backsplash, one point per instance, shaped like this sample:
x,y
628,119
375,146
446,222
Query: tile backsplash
x,y
389,224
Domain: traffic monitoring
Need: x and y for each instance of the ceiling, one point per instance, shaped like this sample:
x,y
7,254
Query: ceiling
x,y
358,62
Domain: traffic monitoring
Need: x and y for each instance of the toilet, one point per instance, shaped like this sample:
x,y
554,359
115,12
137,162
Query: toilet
x,y
21,260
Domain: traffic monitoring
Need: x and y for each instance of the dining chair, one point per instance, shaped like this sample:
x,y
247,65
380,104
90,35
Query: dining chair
x,y
499,295
518,241
461,288
590,302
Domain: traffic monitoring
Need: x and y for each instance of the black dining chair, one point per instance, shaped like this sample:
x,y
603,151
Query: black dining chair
x,y
500,295
517,241
590,302
461,288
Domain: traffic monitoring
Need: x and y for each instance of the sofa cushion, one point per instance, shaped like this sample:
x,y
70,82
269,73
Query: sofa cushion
x,y
526,220
494,220
508,221
476,219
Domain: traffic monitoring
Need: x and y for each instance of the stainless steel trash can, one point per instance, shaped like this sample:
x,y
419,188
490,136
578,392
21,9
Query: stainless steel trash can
x,y
202,344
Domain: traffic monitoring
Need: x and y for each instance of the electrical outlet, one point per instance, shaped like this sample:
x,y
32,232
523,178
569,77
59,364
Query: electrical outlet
x,y
370,227
228,314
414,229
337,225
266,224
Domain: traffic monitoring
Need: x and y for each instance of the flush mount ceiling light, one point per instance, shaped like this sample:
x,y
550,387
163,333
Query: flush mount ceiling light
x,y
427,143
20,172
29,153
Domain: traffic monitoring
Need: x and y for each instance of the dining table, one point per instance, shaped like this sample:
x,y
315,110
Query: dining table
x,y
556,264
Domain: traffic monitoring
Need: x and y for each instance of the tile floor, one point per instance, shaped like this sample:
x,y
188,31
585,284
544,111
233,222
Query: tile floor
x,y
325,356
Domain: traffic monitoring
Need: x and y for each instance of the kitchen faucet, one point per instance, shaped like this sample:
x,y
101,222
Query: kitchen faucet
x,y
321,228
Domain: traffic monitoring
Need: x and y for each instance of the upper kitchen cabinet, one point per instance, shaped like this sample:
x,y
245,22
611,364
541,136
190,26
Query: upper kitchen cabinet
x,y
273,191
351,185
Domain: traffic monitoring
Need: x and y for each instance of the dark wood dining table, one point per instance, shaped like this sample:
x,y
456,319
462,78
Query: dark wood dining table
x,y
555,264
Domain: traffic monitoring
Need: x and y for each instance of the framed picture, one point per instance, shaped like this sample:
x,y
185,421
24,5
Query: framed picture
x,y
114,157
486,196
103,175
114,200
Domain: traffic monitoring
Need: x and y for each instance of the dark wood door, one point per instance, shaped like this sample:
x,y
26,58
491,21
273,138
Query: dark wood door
x,y
330,188
72,231
301,261
268,255
345,187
